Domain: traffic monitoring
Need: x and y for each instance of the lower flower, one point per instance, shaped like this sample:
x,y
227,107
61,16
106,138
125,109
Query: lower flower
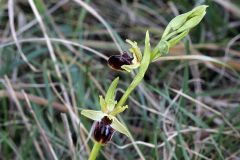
x,y
106,122
103,131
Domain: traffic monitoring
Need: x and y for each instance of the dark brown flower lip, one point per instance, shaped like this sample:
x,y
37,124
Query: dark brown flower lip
x,y
103,131
106,120
117,61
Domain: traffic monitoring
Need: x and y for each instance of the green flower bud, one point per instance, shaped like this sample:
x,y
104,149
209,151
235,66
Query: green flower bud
x,y
177,29
184,22
172,42
163,47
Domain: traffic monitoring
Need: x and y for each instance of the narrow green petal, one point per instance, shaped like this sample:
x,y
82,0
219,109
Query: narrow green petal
x,y
93,115
118,110
135,50
130,67
118,126
103,104
110,105
111,90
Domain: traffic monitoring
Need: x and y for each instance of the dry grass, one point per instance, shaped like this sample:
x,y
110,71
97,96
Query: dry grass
x,y
53,65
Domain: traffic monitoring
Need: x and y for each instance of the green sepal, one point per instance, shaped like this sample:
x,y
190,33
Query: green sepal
x,y
190,23
118,126
135,50
93,115
178,38
111,90
146,57
174,24
137,57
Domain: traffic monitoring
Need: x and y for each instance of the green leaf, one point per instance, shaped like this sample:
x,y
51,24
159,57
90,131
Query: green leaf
x,y
93,115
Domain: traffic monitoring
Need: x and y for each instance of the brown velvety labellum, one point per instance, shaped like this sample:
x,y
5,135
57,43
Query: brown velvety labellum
x,y
116,61
103,131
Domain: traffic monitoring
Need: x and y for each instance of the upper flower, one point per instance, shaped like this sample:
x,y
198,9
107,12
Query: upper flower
x,y
124,62
117,61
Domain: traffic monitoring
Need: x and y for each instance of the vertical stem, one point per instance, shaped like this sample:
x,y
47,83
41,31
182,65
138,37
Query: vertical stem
x,y
131,87
142,70
95,150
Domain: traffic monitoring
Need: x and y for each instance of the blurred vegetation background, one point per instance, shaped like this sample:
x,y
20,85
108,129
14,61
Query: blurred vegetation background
x,y
53,59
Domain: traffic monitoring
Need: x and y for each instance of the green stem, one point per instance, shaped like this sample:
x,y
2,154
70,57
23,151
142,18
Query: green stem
x,y
131,87
95,150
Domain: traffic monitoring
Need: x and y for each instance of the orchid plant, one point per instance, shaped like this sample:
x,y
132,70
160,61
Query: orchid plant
x,y
106,120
